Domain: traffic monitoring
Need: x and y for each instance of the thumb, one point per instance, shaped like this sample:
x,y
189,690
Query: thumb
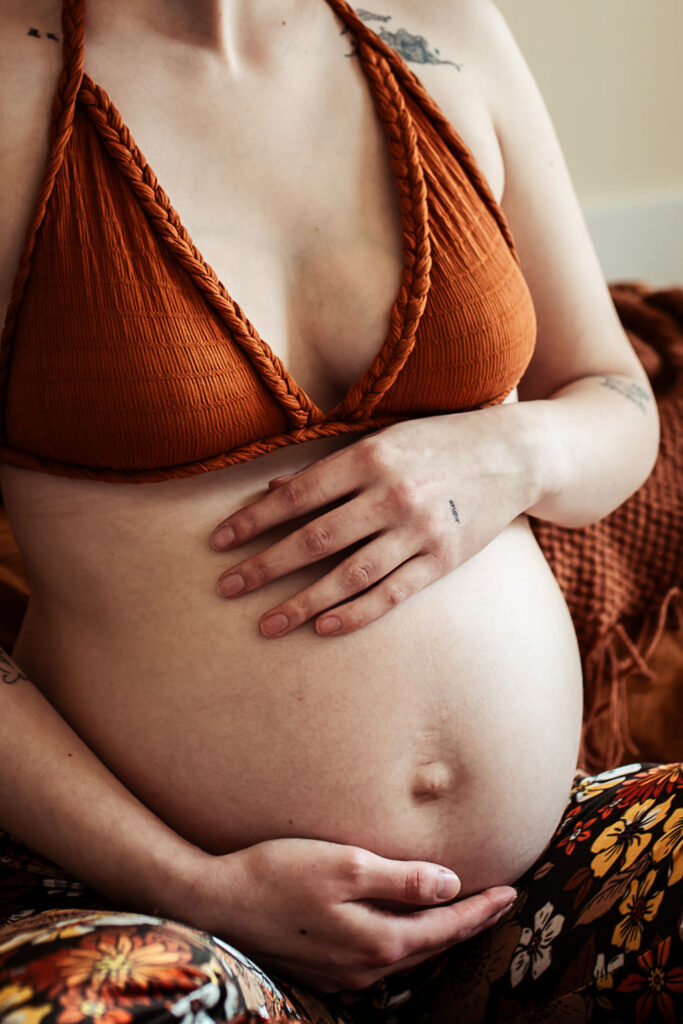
x,y
413,882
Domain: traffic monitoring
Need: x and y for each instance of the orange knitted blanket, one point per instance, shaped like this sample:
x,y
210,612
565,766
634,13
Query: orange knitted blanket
x,y
622,577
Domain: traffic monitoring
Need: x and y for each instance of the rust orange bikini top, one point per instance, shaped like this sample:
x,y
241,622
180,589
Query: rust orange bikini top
x,y
124,358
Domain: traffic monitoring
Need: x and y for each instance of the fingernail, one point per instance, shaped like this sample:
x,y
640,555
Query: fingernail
x,y
223,537
272,625
448,885
505,907
232,584
330,624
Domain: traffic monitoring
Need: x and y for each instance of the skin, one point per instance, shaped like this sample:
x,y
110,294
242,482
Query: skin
x,y
177,691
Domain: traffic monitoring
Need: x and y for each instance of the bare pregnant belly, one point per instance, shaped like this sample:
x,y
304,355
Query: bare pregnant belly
x,y
447,730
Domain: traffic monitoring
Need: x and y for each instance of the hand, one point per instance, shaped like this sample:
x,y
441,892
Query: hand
x,y
425,494
312,910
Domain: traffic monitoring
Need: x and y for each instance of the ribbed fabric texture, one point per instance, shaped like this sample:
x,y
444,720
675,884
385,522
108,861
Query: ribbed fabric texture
x,y
123,357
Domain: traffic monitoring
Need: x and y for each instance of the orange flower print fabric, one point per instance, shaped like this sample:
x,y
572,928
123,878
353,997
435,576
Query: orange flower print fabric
x,y
596,935
109,967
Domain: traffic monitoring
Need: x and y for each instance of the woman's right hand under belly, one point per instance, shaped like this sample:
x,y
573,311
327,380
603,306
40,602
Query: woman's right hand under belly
x,y
333,916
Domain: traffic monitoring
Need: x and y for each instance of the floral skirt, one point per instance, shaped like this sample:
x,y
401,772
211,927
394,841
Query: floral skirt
x,y
595,935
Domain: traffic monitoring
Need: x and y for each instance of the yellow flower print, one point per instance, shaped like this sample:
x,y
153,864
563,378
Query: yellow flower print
x,y
637,907
13,1012
670,843
622,841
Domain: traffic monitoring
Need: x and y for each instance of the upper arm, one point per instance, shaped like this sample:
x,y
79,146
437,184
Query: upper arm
x,y
579,332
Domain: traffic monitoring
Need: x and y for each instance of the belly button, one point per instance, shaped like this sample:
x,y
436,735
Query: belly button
x,y
432,780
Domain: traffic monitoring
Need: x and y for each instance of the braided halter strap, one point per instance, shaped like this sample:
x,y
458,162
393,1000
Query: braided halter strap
x,y
391,82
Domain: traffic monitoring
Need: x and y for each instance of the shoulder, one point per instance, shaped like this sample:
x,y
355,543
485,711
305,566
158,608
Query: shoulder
x,y
445,43
579,332
30,62
468,26
470,33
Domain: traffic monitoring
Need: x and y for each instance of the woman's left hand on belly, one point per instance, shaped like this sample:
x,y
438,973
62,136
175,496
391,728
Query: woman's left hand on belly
x,y
419,497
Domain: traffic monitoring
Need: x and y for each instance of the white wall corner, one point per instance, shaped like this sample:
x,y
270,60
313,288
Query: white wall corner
x,y
638,237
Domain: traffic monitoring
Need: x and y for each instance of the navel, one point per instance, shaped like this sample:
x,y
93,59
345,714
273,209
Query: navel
x,y
432,781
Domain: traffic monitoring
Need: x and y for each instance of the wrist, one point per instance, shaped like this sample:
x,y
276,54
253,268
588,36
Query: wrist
x,y
540,453
169,883
201,888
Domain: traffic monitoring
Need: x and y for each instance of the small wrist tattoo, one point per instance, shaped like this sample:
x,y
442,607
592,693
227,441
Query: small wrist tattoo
x,y
9,671
454,510
628,389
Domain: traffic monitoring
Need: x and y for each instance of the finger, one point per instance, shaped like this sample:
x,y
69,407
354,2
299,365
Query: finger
x,y
414,882
375,953
412,575
364,567
323,536
426,931
276,481
418,958
312,488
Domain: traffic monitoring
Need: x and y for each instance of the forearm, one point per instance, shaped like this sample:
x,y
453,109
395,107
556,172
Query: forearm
x,y
59,798
588,447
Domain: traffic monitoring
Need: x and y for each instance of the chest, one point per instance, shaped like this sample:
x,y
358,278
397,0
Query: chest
x,y
286,186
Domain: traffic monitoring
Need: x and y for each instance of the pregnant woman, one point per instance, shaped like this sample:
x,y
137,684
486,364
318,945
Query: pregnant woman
x,y
294,673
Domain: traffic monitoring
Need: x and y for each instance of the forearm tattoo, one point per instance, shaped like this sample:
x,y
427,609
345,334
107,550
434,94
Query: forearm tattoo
x,y
9,671
414,49
629,389
454,510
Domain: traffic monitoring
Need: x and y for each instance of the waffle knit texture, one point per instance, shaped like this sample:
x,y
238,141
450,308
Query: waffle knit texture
x,y
124,358
623,577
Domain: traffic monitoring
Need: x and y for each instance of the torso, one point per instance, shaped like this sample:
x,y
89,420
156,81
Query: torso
x,y
430,733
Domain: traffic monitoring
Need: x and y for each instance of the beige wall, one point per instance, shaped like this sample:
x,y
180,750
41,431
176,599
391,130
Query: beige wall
x,y
611,72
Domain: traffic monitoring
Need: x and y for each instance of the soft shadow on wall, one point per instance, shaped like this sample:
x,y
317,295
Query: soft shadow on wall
x,y
611,74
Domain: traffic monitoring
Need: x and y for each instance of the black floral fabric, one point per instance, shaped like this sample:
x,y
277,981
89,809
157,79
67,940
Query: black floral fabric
x,y
595,935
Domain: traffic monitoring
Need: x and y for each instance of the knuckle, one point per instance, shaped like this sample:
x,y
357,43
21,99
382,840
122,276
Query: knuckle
x,y
383,952
356,866
293,494
405,496
300,608
417,885
316,540
376,454
258,572
395,593
356,618
243,526
356,576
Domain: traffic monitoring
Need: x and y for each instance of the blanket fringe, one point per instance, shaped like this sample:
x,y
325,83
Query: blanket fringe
x,y
606,670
